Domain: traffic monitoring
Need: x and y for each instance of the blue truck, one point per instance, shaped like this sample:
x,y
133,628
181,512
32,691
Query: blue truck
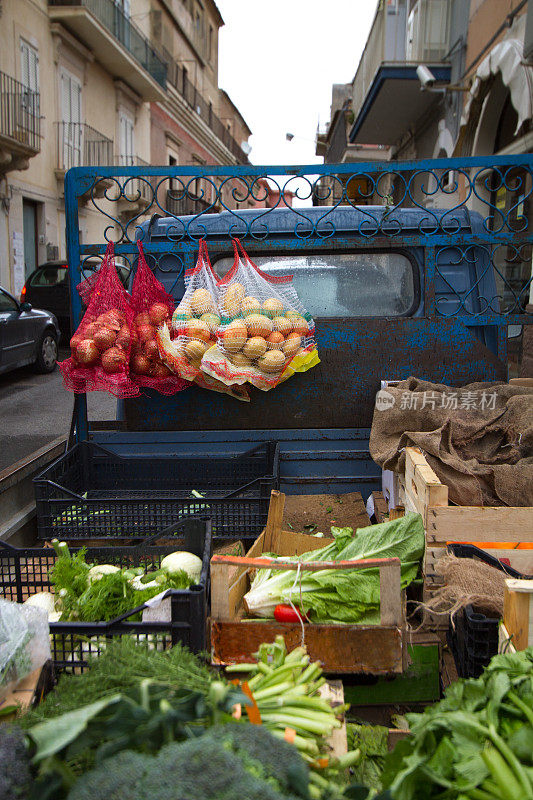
x,y
423,272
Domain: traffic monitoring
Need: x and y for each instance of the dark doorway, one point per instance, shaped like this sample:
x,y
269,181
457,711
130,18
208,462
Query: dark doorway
x,y
29,221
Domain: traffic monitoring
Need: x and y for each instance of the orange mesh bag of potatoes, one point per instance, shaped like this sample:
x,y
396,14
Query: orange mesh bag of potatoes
x,y
194,322
265,334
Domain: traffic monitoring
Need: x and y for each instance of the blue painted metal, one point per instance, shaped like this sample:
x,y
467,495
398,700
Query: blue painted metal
x,y
333,460
457,332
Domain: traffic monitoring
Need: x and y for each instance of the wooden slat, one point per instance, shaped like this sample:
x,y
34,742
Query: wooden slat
x,y
505,641
24,691
518,612
333,692
397,512
422,487
305,566
340,648
274,519
381,508
220,581
390,592
479,524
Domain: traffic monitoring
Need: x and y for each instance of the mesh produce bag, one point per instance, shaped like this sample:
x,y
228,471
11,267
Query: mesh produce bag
x,y
265,335
152,307
205,381
101,346
194,322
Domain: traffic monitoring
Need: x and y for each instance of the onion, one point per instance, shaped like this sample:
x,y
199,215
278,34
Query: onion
x,y
89,331
124,338
113,360
151,349
104,338
141,365
145,332
161,371
114,319
87,352
142,319
158,313
74,342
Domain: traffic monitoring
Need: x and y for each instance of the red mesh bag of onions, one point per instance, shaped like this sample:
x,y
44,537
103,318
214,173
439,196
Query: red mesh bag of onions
x,y
101,346
152,307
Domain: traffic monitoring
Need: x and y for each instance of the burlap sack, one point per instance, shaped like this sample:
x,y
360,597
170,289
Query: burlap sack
x,y
478,439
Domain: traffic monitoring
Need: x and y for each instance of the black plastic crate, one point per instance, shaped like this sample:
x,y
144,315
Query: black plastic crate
x,y
473,640
24,571
471,551
473,637
93,493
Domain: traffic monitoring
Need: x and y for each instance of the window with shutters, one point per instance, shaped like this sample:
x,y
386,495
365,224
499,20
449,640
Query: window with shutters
x,y
29,72
126,139
29,66
71,128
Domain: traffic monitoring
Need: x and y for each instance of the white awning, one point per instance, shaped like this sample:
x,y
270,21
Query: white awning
x,y
506,58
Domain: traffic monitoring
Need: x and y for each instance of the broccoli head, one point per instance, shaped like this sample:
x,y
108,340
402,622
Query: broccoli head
x,y
198,769
115,778
15,774
273,760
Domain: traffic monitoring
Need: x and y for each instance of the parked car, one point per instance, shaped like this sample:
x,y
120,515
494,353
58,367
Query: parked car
x,y
27,335
47,287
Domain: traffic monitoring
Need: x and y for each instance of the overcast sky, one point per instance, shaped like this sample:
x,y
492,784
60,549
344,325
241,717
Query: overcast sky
x,y
278,60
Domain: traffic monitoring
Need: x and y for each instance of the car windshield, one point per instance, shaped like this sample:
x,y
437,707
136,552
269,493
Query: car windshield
x,y
49,276
344,285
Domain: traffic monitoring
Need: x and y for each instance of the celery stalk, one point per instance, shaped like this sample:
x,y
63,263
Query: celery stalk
x,y
242,668
272,691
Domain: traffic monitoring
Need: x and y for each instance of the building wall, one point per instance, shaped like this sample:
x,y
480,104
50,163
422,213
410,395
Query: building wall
x,y
160,130
485,17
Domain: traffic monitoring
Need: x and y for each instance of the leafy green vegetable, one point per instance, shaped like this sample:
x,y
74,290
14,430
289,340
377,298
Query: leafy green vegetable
x,y
475,744
202,768
90,597
342,595
372,741
143,719
120,667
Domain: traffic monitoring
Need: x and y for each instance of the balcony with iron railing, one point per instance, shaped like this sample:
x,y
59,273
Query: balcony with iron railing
x,y
119,45
20,124
80,145
394,38
177,77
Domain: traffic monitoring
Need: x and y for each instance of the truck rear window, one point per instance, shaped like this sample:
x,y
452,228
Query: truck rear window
x,y
50,276
344,285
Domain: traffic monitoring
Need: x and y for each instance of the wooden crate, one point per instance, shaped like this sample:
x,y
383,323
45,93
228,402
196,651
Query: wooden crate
x,y
29,691
366,649
518,612
485,526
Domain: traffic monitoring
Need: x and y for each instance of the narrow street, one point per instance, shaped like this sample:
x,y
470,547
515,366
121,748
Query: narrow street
x,y
35,409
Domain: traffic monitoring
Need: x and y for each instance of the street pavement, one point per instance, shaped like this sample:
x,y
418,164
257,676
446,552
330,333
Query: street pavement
x,y
35,409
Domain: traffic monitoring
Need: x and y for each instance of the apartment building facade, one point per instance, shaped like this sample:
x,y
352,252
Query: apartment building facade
x,y
477,101
102,83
